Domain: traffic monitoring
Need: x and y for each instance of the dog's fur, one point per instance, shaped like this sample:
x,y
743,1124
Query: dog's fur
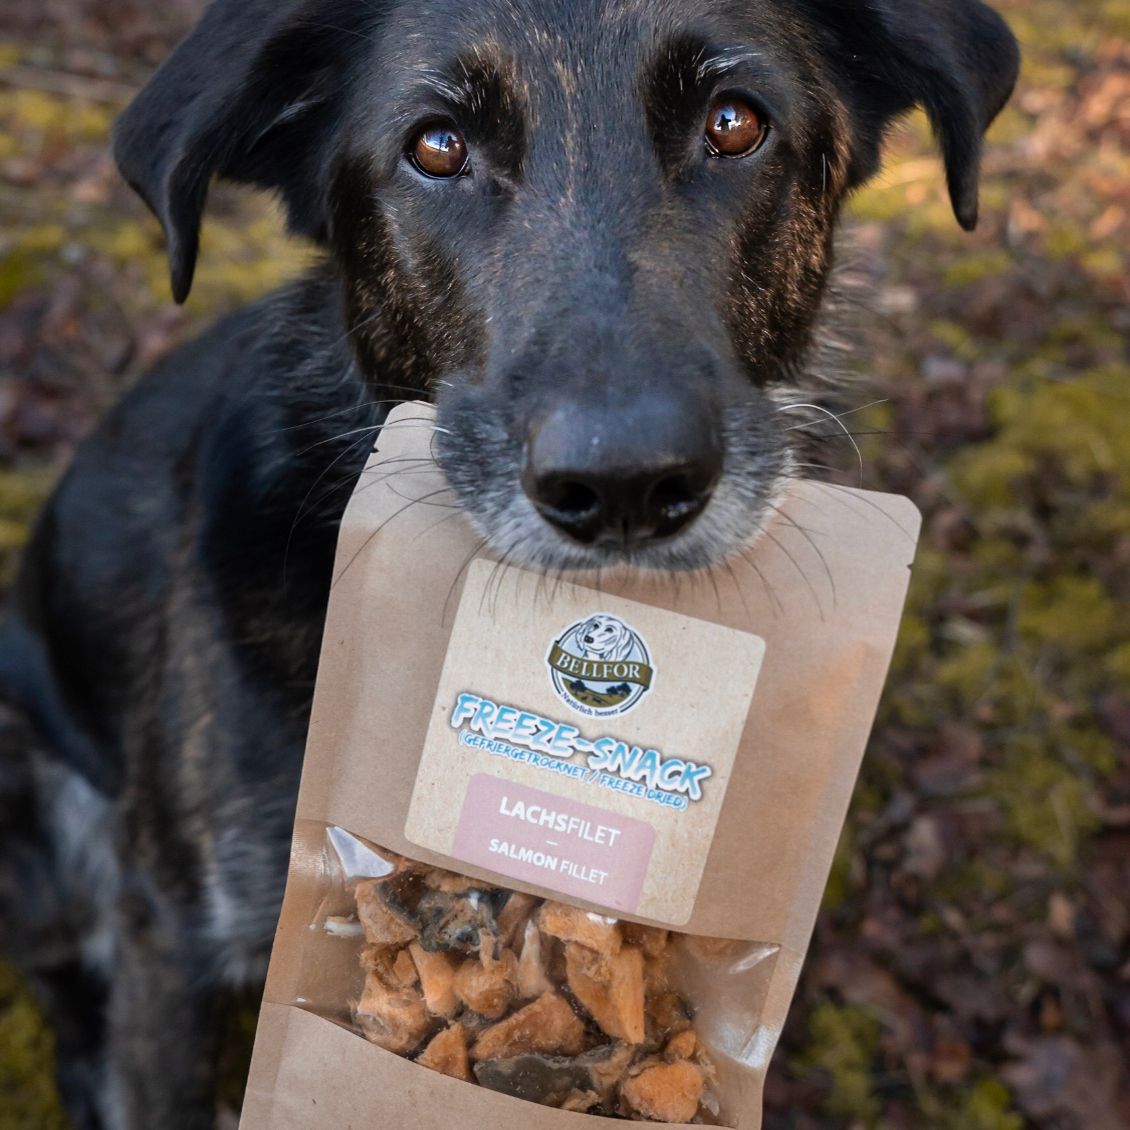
x,y
597,267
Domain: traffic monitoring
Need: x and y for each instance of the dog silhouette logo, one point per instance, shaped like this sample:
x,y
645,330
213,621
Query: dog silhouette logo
x,y
600,666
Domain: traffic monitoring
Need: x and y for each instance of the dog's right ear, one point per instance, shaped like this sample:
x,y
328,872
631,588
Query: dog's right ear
x,y
254,95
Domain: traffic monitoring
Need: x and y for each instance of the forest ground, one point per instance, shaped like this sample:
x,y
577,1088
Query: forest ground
x,y
971,966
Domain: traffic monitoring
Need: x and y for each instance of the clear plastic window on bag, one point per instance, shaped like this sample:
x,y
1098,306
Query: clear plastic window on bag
x,y
531,997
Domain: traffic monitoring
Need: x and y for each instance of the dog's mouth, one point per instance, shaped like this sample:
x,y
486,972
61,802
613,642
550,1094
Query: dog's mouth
x,y
655,516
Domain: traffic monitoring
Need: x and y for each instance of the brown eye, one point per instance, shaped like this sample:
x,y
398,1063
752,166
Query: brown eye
x,y
734,128
440,151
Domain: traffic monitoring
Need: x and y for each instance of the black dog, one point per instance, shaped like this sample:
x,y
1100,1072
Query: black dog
x,y
596,232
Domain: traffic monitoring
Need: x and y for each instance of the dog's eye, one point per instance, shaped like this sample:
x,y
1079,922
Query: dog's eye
x,y
440,151
734,128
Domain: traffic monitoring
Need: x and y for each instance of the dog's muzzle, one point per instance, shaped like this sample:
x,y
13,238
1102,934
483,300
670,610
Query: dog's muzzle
x,y
627,478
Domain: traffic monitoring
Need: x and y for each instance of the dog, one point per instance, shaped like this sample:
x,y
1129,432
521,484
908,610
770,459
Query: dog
x,y
603,637
596,233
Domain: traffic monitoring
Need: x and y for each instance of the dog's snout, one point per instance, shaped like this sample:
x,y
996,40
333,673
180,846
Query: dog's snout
x,y
622,479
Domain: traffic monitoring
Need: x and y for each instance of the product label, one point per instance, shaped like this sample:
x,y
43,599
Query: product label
x,y
542,838
582,743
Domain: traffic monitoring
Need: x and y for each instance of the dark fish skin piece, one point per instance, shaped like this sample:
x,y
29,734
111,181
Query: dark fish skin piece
x,y
547,1079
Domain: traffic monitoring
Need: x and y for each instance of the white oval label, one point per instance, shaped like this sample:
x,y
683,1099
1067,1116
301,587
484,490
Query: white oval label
x,y
600,666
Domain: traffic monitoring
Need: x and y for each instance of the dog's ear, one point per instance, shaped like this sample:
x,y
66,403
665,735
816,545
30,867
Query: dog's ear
x,y
250,95
957,59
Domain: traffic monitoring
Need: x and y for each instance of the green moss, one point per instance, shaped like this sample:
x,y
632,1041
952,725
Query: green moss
x,y
984,1105
1042,799
1072,614
1115,17
843,1042
977,878
1077,424
24,265
33,114
240,259
957,339
988,1106
1065,241
910,188
1092,331
1106,264
1117,663
879,203
976,266
22,493
28,1098
16,275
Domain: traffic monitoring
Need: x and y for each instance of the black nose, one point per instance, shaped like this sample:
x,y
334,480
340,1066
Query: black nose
x,y
623,478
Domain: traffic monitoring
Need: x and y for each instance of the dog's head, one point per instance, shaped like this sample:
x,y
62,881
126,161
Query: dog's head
x,y
596,232
603,637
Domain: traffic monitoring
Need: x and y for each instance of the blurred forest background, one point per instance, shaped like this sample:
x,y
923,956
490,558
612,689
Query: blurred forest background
x,y
971,969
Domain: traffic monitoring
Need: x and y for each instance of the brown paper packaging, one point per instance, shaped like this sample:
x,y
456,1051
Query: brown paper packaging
x,y
824,588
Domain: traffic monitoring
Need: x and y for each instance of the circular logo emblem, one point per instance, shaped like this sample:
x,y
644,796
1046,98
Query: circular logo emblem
x,y
600,666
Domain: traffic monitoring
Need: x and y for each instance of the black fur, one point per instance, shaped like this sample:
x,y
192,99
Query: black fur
x,y
596,272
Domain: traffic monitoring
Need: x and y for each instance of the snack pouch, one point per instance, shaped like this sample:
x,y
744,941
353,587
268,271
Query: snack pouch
x,y
561,841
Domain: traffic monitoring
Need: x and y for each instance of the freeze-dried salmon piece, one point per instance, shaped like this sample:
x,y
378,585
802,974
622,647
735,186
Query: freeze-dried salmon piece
x,y
607,1065
437,980
394,967
573,925
404,969
512,918
668,1014
488,989
395,1019
447,1053
459,921
532,979
383,925
657,972
548,1027
610,986
667,1092
650,939
581,1102
490,952
681,1046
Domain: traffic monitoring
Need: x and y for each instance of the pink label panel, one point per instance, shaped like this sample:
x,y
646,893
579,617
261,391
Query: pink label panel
x,y
572,848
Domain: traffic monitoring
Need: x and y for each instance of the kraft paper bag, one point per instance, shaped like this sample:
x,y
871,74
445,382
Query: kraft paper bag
x,y
667,752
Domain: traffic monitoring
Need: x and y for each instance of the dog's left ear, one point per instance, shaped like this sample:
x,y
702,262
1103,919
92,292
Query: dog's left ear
x,y
957,59
253,94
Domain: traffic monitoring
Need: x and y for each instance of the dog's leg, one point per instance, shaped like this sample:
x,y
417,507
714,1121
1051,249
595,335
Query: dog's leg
x,y
164,1021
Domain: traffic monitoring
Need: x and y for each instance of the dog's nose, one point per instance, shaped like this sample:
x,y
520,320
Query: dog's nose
x,y
622,479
